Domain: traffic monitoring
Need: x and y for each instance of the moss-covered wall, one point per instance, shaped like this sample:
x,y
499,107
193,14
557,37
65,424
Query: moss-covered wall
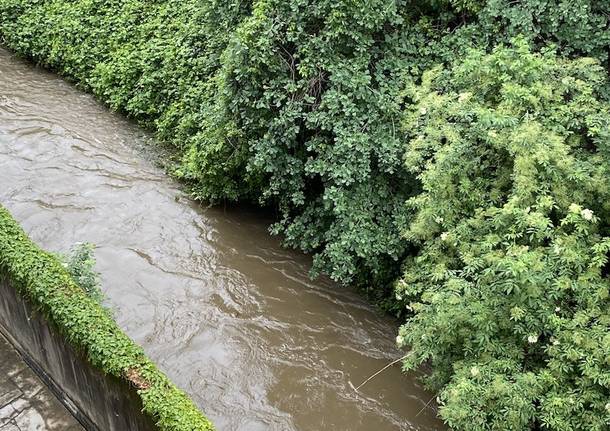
x,y
75,341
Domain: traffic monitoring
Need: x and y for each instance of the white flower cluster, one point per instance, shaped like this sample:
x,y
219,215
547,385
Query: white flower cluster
x,y
463,97
575,208
532,339
400,340
587,214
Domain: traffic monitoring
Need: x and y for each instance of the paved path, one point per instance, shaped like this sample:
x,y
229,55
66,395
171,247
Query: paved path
x,y
26,404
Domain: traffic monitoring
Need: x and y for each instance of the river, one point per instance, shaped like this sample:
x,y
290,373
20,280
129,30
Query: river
x,y
224,310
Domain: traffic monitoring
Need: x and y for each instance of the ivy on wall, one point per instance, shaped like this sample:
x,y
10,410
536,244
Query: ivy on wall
x,y
40,277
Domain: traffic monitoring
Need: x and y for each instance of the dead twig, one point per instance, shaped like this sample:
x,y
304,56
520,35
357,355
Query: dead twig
x,y
382,370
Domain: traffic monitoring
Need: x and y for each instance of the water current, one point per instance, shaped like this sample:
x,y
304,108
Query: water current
x,y
224,310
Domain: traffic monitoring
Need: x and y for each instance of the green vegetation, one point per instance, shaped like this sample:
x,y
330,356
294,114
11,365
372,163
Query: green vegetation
x,y
79,263
295,104
41,277
510,287
388,145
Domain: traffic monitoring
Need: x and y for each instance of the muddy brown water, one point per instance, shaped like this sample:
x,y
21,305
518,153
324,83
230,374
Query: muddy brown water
x,y
224,310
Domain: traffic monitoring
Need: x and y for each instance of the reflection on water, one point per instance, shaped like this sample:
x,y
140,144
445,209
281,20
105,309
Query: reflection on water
x,y
226,312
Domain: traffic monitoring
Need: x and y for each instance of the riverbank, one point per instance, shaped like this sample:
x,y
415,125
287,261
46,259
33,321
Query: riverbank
x,y
226,312
450,158
80,347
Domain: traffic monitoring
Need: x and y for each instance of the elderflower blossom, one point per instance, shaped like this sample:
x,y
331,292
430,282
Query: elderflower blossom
x,y
557,309
474,371
400,340
423,110
439,219
587,214
444,236
532,339
608,407
575,208
463,97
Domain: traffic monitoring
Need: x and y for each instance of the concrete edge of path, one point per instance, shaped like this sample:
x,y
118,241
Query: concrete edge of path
x,y
29,400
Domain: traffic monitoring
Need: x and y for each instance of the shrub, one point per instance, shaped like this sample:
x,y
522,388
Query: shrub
x,y
510,288
80,264
578,27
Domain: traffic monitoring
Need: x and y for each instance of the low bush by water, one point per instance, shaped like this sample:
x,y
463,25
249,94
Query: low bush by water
x,y
80,264
510,287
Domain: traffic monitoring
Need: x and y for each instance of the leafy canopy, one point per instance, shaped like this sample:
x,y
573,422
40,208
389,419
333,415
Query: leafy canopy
x,y
294,104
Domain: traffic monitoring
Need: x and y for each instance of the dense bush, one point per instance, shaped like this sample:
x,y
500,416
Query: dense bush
x,y
310,90
578,27
292,103
510,289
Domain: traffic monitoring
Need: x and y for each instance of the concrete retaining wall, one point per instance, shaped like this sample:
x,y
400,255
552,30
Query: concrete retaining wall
x,y
100,402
